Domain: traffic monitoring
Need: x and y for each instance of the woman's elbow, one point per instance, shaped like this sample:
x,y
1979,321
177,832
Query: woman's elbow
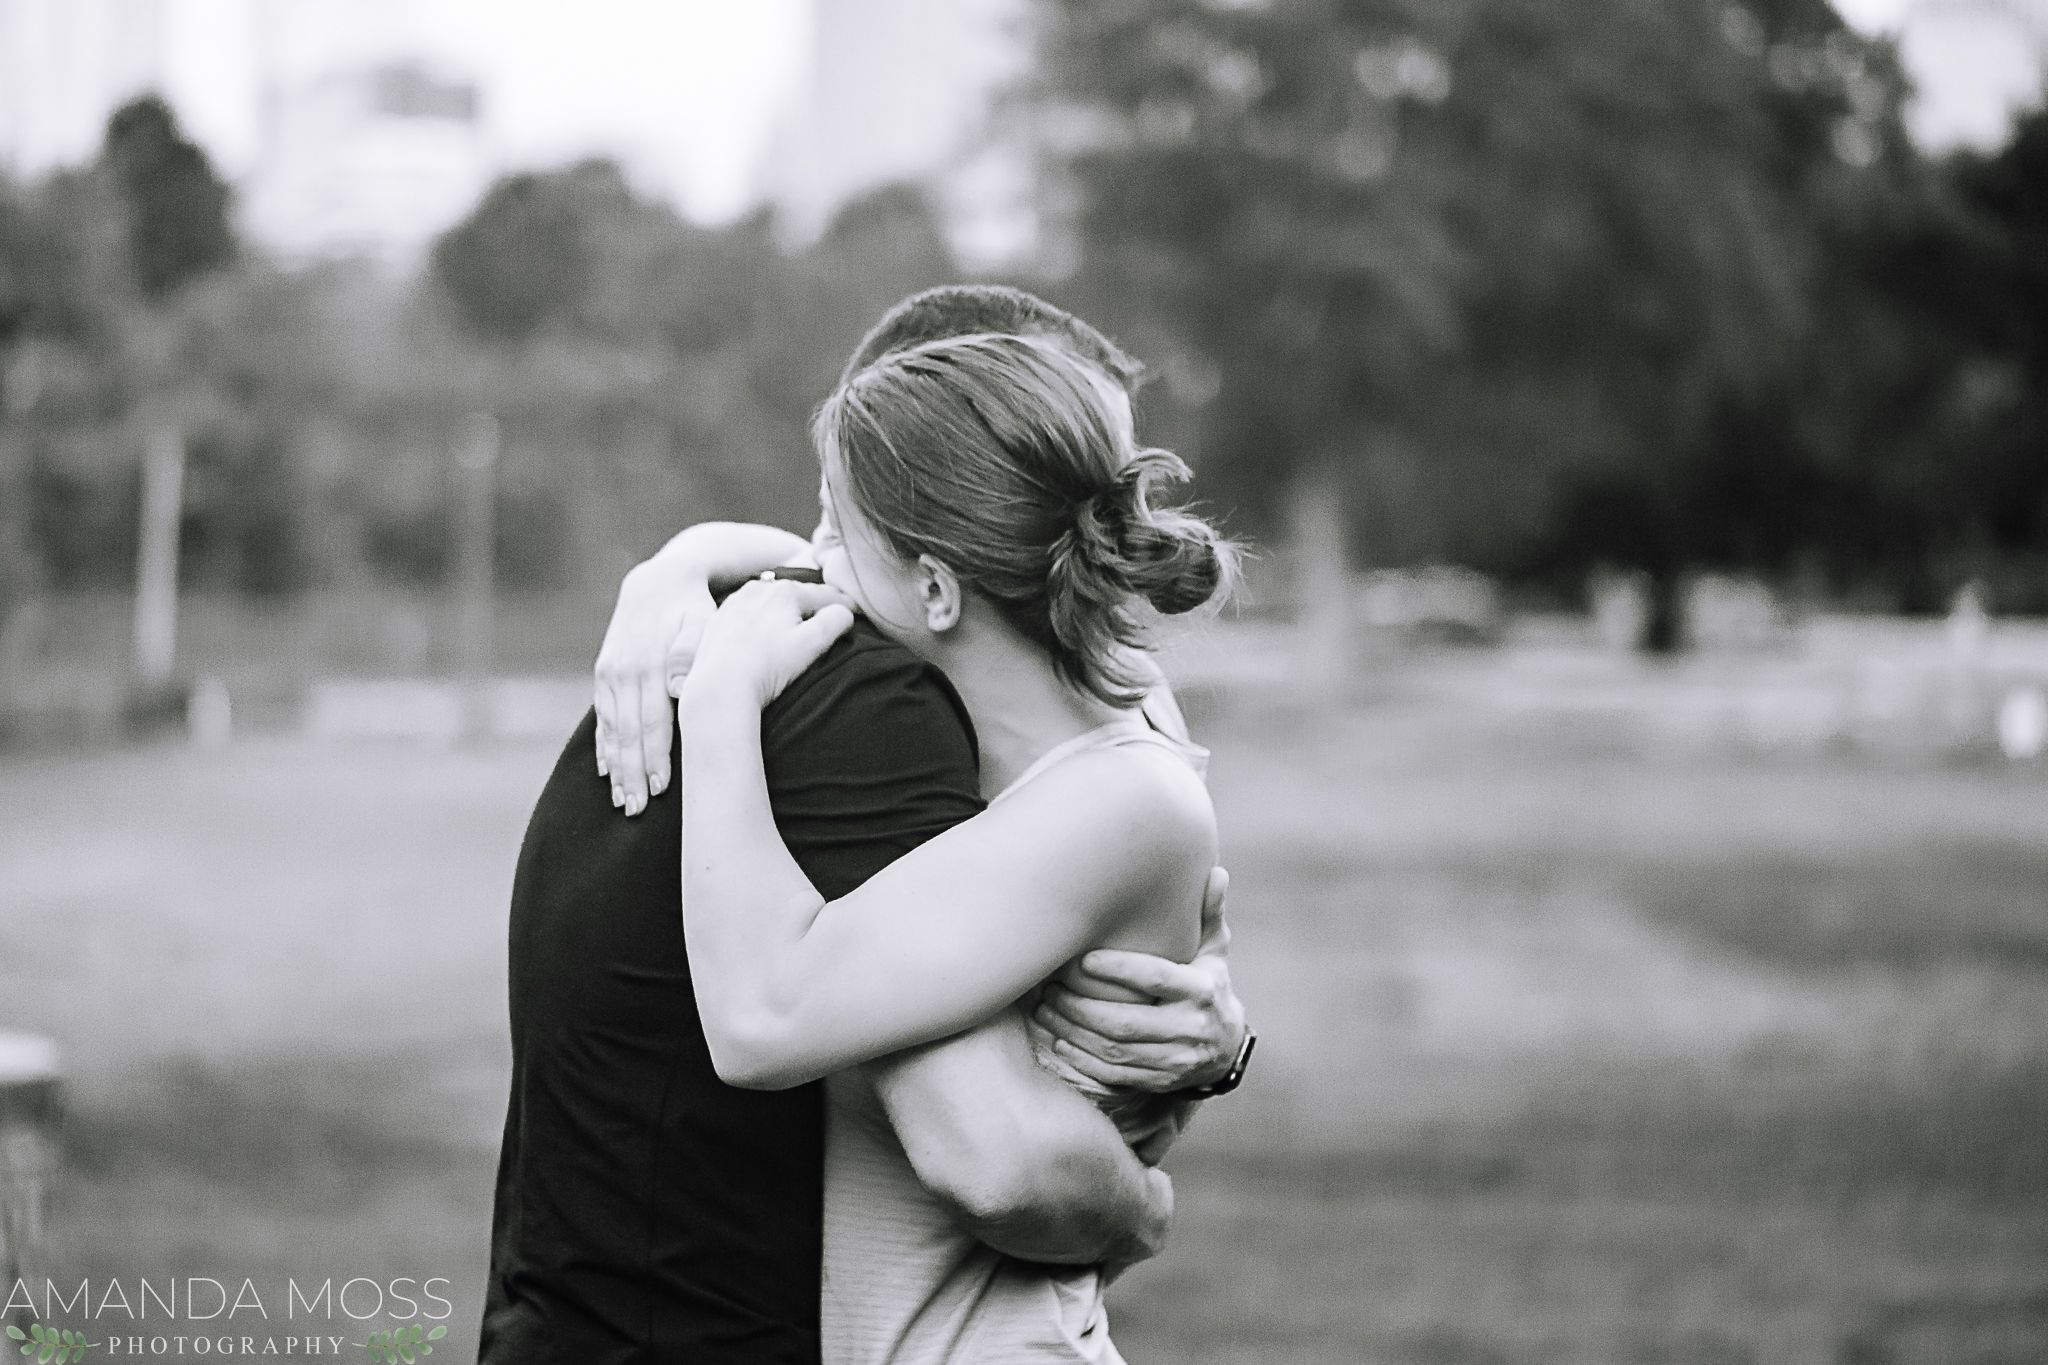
x,y
744,1077
752,1058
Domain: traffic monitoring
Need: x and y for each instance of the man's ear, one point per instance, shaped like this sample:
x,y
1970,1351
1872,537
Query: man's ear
x,y
939,593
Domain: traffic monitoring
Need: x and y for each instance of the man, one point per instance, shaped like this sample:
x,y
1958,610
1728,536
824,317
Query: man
x,y
647,1212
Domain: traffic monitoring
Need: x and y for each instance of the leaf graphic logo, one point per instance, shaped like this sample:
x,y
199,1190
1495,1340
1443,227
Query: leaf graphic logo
x,y
406,1344
50,1344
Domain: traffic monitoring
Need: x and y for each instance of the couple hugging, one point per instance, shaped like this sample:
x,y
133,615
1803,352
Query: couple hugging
x,y
943,844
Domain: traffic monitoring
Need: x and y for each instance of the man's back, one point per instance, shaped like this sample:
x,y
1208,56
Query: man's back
x,y
645,1210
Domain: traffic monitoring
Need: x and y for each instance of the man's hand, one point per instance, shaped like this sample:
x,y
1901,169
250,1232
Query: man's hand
x,y
651,642
1190,1037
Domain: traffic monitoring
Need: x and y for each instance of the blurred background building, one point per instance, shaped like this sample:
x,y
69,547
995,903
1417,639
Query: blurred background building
x,y
893,91
366,146
363,129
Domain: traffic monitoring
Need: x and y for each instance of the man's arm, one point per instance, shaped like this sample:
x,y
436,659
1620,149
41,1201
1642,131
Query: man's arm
x,y
1027,1164
1191,1036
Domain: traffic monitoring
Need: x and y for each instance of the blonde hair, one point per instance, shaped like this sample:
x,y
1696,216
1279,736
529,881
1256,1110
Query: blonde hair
x,y
997,456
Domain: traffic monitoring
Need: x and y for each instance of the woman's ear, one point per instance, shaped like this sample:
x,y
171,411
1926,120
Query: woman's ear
x,y
939,593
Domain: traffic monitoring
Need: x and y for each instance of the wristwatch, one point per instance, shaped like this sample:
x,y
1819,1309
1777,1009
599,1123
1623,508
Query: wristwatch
x,y
1231,1078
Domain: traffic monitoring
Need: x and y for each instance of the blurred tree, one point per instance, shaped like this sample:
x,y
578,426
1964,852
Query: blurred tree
x,y
41,294
877,249
176,231
241,526
1644,256
1890,458
670,368
32,297
1238,201
602,317
177,207
2001,389
1503,274
522,256
667,374
56,352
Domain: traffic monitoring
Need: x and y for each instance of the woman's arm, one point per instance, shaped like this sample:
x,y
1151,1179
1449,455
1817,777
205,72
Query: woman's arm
x,y
790,988
1191,1033
662,607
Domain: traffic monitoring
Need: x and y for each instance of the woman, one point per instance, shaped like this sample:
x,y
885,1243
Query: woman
x,y
991,515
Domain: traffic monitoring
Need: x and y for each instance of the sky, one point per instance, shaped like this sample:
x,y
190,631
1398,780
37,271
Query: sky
x,y
1975,62
684,93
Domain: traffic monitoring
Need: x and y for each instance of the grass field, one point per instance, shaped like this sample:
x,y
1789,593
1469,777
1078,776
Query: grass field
x,y
1570,1052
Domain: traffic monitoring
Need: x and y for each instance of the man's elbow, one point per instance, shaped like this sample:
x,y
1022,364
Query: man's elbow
x,y
998,1196
1048,1202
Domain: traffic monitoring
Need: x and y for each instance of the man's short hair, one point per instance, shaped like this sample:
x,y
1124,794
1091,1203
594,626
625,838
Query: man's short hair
x,y
953,310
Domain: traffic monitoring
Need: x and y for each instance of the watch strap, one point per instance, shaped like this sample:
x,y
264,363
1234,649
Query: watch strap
x,y
1231,1078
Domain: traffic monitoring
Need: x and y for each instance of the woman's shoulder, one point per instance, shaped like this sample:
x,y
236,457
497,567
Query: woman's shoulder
x,y
1140,788
1133,821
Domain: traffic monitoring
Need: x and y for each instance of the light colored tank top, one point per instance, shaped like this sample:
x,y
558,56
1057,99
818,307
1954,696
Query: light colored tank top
x,y
903,1284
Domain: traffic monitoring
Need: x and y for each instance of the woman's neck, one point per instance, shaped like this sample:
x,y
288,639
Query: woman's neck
x,y
1019,704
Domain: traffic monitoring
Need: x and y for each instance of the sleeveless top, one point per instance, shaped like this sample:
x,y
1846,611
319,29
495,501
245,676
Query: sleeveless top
x,y
903,1284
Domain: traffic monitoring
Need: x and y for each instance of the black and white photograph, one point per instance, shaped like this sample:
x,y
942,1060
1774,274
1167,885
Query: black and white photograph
x,y
1024,682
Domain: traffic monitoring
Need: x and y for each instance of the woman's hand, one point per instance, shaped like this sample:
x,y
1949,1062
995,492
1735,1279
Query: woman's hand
x,y
764,635
663,606
659,607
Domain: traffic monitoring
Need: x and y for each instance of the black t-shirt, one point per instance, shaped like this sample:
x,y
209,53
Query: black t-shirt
x,y
646,1211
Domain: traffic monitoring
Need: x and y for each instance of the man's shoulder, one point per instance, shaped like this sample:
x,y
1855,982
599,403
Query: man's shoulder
x,y
575,772
868,754
862,651
867,679
575,824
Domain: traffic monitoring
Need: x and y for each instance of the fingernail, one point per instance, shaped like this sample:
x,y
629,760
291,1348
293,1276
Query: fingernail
x,y
618,795
633,805
657,784
603,769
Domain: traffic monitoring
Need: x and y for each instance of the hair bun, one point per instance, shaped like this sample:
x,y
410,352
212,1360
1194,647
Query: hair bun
x,y
1164,556
1173,568
1000,456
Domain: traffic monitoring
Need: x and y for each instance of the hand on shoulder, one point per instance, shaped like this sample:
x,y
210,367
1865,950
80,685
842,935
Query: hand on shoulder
x,y
762,637
663,606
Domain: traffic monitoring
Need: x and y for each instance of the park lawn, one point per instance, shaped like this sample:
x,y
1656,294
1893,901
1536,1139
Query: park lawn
x,y
1568,1053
